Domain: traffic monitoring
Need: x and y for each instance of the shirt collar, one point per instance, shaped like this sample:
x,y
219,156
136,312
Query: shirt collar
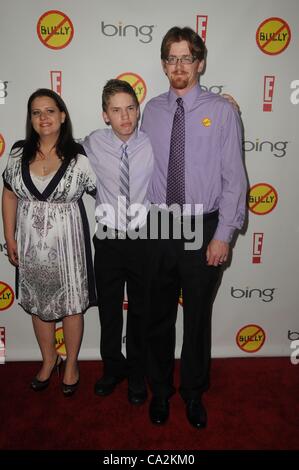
x,y
117,142
189,98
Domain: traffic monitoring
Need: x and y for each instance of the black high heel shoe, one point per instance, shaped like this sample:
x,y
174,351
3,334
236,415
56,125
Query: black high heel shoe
x,y
69,390
39,385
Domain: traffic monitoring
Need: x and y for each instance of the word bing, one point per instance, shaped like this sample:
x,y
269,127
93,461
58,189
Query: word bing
x,y
143,33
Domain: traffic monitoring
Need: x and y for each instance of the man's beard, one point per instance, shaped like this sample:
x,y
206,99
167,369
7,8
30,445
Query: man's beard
x,y
179,82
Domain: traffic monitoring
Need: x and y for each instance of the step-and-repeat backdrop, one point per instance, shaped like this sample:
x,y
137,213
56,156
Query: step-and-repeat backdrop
x,y
74,47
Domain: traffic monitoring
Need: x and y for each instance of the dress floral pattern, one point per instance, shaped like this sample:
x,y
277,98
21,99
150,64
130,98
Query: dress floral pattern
x,y
55,265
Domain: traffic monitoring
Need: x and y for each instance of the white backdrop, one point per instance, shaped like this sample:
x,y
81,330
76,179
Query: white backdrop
x,y
256,310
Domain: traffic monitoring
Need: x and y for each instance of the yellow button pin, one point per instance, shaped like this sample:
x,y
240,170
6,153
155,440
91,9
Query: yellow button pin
x,y
206,122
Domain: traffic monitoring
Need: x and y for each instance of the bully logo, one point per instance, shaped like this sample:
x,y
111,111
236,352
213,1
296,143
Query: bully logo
x,y
273,36
55,29
250,338
136,82
262,198
59,341
6,296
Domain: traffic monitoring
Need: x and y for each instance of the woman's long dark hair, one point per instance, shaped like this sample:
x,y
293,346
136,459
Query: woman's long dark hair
x,y
66,147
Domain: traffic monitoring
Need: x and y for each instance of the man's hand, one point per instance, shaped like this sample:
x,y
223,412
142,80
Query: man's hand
x,y
217,252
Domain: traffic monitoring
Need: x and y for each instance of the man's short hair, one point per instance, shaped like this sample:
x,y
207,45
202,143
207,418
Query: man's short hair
x,y
115,86
176,34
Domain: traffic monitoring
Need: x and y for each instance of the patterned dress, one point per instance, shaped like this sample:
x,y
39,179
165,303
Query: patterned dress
x,y
55,264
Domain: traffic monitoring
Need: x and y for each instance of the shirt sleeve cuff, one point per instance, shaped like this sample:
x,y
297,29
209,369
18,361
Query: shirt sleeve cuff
x,y
224,233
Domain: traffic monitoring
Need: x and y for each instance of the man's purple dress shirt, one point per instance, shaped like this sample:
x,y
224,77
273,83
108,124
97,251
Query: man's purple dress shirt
x,y
214,171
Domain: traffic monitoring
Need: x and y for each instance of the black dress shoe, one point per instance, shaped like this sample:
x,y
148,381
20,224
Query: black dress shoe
x,y
159,410
106,385
69,389
196,414
137,392
39,385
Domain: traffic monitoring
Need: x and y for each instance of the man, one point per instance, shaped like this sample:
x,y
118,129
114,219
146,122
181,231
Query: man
x,y
122,159
196,138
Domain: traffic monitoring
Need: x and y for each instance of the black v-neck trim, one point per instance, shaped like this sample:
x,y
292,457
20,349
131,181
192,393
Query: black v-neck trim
x,y
53,183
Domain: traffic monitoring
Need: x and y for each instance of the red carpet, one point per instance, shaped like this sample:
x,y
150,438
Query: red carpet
x,y
253,403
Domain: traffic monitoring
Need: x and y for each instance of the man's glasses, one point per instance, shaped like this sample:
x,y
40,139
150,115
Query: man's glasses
x,y
185,60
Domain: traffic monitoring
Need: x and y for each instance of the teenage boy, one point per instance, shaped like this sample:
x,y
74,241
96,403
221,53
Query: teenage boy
x,y
122,159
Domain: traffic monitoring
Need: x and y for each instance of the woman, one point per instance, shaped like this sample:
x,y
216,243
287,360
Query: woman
x,y
46,232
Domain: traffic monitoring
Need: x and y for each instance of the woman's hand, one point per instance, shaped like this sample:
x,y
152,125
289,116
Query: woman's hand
x,y
12,251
